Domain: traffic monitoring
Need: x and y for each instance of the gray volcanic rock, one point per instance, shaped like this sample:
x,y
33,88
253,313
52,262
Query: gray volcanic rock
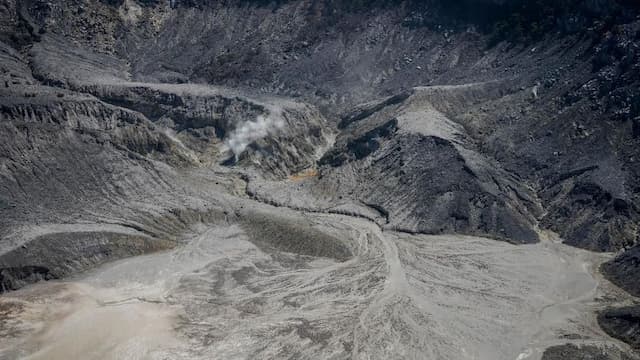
x,y
511,154
623,324
588,199
624,270
586,352
579,169
561,155
90,162
396,166
287,135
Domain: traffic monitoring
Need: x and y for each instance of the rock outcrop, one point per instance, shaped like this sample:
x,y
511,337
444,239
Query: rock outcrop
x,y
622,323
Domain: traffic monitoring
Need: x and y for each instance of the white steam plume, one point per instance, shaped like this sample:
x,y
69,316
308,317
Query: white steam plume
x,y
251,131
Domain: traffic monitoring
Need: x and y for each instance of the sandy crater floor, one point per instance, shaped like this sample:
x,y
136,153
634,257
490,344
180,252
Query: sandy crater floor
x,y
400,296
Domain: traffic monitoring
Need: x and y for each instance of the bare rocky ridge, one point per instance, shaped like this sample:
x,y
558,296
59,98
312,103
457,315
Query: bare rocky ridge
x,y
622,323
622,270
580,352
301,175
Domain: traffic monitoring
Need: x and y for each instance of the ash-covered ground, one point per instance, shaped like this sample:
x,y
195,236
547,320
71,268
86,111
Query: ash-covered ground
x,y
224,294
319,179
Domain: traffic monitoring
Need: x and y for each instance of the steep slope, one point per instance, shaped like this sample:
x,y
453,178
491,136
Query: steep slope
x,y
90,178
552,141
622,323
581,169
391,159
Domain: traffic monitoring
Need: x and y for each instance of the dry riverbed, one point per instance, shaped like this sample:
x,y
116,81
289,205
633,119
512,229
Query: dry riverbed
x,y
398,296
